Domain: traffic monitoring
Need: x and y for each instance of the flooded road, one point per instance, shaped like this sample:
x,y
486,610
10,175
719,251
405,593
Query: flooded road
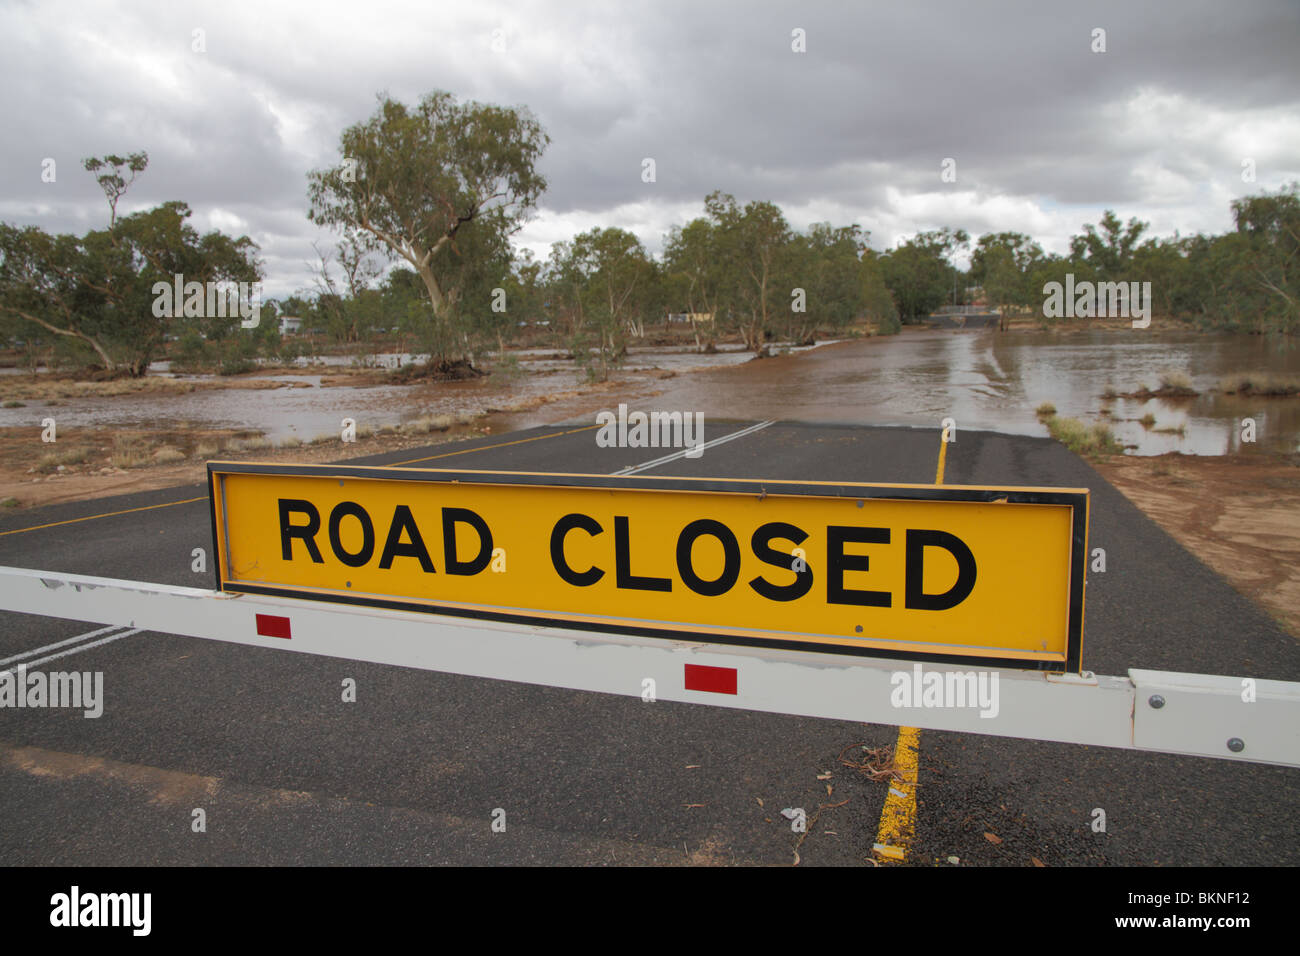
x,y
982,379
991,380
305,412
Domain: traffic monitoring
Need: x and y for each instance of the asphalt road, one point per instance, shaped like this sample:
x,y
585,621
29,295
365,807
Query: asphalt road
x,y
287,773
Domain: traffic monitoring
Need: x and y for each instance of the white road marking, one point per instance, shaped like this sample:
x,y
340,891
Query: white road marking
x,y
71,640
633,469
78,649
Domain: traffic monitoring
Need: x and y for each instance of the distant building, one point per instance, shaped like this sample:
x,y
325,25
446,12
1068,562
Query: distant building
x,y
965,317
290,324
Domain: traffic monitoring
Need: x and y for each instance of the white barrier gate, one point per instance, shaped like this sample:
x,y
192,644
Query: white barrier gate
x,y
1230,718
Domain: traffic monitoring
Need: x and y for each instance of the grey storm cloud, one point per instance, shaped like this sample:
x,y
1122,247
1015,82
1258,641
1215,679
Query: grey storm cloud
x,y
1044,131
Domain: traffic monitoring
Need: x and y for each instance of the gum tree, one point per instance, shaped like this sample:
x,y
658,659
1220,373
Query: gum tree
x,y
1108,252
97,290
436,185
825,263
695,271
601,281
877,303
918,274
752,247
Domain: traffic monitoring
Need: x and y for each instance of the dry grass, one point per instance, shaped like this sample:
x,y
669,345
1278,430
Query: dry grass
x,y
167,455
291,442
1259,383
1175,381
1092,441
1148,420
208,449
429,423
72,455
130,452
1045,410
47,387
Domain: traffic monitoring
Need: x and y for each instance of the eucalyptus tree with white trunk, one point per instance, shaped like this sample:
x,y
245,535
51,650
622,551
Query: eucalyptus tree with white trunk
x,y
441,185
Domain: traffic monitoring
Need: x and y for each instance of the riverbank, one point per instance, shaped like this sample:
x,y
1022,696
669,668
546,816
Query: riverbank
x,y
1239,513
98,461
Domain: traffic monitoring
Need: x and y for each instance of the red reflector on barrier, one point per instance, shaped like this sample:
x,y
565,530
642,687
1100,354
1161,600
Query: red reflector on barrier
x,y
715,680
271,625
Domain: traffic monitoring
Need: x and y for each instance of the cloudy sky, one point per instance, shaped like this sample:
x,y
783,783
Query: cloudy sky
x,y
1045,133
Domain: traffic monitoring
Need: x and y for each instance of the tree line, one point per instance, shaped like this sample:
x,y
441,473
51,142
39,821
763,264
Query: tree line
x,y
426,201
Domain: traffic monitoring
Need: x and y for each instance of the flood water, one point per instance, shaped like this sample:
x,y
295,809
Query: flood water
x,y
995,381
982,379
305,412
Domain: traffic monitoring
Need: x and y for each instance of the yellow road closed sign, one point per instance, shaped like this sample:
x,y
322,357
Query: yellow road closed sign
x,y
946,572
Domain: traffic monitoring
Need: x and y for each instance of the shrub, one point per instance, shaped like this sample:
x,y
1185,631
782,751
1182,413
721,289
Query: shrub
x,y
1082,439
129,452
1179,383
51,460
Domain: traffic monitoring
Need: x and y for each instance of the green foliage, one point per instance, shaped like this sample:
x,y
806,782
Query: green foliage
x,y
96,293
441,185
919,278
1109,251
695,275
599,284
754,254
825,263
876,299
1093,441
1003,263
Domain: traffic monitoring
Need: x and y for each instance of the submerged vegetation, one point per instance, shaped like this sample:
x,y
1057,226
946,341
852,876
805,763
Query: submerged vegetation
x,y
1091,441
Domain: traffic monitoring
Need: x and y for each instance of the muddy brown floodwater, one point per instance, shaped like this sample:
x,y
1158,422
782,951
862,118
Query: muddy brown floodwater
x,y
995,381
983,379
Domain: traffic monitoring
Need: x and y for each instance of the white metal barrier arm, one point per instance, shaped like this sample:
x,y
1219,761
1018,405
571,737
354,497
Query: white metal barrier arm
x,y
1229,718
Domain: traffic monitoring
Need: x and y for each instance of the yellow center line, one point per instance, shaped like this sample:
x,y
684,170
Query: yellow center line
x,y
943,455
108,514
898,815
517,441
186,501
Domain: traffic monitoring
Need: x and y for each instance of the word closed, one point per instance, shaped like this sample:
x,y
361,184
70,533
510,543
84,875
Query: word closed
x,y
856,569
